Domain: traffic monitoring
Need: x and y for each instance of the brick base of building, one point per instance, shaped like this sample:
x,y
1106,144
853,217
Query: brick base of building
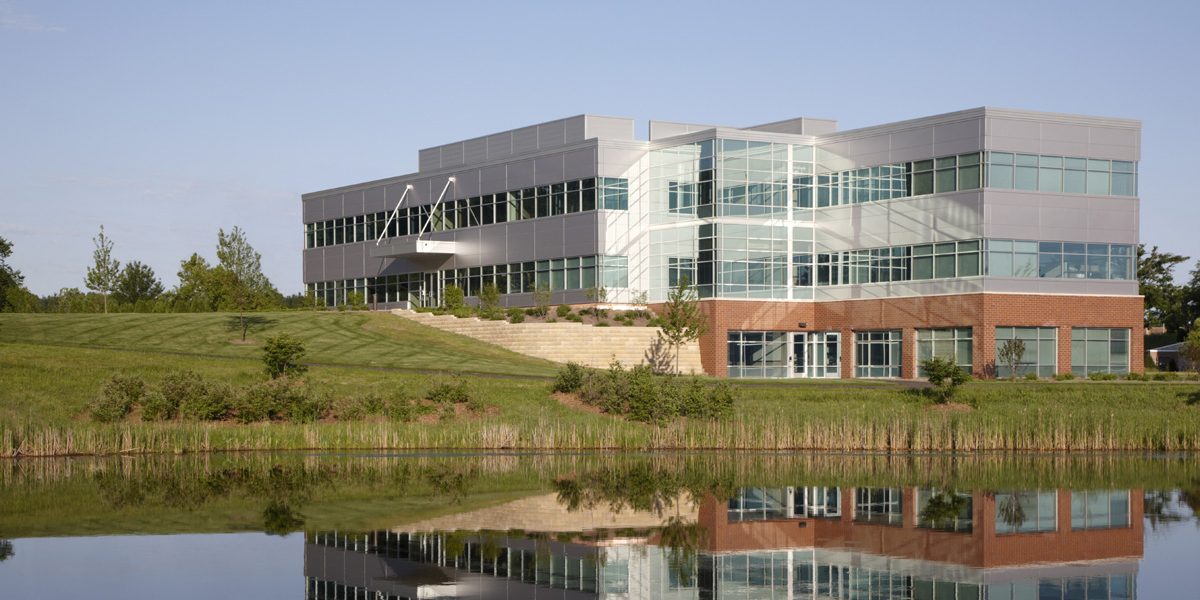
x,y
982,312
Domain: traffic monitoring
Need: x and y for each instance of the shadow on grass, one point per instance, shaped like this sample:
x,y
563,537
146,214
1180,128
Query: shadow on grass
x,y
1193,398
252,324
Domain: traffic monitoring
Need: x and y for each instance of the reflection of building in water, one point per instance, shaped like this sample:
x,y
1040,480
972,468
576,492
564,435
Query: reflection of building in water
x,y
830,543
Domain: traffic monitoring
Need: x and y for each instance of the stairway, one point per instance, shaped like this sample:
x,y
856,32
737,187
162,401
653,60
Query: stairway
x,y
569,342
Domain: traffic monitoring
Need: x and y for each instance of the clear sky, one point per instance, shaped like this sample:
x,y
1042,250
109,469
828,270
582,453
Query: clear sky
x,y
168,120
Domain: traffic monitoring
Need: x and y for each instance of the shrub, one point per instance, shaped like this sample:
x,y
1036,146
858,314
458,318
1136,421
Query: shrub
x,y
541,299
1102,376
281,356
157,407
641,395
118,397
1068,376
1135,377
569,378
489,299
945,376
356,301
574,317
516,315
463,312
279,399
453,298
1166,376
449,391
602,324
562,311
1031,376
700,401
180,386
213,405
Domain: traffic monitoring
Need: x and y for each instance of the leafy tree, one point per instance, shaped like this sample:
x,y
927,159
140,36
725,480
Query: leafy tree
x,y
1191,346
240,278
10,278
454,298
197,285
489,300
944,375
19,299
103,274
137,282
282,354
1010,354
682,320
1156,282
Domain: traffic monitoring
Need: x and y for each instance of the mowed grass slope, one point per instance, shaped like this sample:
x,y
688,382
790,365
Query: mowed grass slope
x,y
331,338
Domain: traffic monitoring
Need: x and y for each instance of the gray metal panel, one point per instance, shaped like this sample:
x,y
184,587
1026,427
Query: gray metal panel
x,y
551,134
550,238
520,174
354,261
373,200
579,164
522,241
575,129
499,145
394,193
1067,217
493,179
907,288
352,203
429,159
312,210
899,222
314,265
493,240
334,269
525,140
1104,287
614,161
466,183
580,233
548,169
475,151
452,155
614,128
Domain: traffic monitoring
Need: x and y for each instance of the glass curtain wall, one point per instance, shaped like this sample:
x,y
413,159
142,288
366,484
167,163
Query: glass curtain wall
x,y
1099,350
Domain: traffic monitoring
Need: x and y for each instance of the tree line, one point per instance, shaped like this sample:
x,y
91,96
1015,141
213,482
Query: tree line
x,y
235,283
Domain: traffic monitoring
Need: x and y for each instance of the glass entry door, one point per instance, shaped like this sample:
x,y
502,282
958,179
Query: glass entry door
x,y
816,354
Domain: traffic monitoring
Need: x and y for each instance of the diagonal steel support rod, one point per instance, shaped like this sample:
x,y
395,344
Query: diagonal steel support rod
x,y
392,217
433,209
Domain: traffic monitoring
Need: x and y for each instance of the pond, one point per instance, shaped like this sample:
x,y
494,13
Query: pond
x,y
629,526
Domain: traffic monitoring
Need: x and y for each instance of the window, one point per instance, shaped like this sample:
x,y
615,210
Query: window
x,y
1045,173
946,510
953,343
1099,350
1041,350
816,502
879,505
877,353
1073,260
757,353
680,270
1026,511
1099,509
757,504
614,193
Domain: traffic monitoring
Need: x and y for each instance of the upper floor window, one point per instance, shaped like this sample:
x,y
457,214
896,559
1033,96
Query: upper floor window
x,y
1043,173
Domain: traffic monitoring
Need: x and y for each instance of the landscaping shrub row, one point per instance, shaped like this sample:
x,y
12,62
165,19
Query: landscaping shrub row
x,y
185,395
641,395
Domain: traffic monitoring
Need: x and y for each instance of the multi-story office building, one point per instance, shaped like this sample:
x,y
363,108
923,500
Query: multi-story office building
x,y
816,253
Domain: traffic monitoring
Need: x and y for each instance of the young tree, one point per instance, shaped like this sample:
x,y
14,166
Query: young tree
x,y
1191,346
944,375
137,282
243,286
10,278
541,299
102,275
489,300
282,354
1156,281
1010,354
682,320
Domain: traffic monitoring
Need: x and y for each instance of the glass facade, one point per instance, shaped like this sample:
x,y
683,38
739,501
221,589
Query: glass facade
x,y
877,353
1071,175
1099,350
943,260
1026,511
1099,509
953,343
1070,260
1041,350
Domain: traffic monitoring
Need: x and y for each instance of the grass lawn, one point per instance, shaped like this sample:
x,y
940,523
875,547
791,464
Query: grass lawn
x,y
52,366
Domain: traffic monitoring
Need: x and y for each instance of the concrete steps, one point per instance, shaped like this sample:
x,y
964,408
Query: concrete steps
x,y
569,342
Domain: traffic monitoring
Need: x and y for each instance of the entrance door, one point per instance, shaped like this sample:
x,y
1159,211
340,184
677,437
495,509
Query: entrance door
x,y
815,354
799,355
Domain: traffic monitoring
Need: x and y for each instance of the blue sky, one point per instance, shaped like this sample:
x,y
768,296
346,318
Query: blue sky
x,y
168,120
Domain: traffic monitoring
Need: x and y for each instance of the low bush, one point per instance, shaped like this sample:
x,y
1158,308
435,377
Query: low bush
x,y
516,315
1136,377
178,387
463,312
574,317
1166,376
453,298
157,407
640,395
281,356
569,378
562,311
1101,376
1064,376
602,324
213,405
454,390
945,376
1031,377
118,398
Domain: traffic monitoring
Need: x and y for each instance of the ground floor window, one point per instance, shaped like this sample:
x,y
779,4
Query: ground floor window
x,y
877,353
1099,350
1026,511
816,502
952,342
879,505
1041,350
946,510
1099,509
758,353
757,504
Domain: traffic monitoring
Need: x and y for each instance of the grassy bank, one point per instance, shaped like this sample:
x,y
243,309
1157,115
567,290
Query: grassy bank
x,y
52,366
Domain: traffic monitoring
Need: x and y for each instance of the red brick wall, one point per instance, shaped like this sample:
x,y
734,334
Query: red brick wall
x,y
982,312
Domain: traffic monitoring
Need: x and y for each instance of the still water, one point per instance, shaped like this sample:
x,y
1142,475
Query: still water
x,y
634,526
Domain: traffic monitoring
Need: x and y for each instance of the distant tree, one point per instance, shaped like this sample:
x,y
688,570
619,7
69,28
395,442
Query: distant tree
x,y
682,321
282,354
137,282
945,376
240,278
10,278
197,285
1156,282
102,275
19,299
1010,354
1191,346
6,550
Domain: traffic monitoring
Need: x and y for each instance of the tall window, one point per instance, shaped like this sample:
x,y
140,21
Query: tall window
x,y
879,505
1099,509
1026,511
816,502
953,343
1041,350
1099,350
877,353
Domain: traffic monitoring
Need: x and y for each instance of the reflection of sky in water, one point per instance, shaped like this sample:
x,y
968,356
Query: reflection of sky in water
x,y
181,567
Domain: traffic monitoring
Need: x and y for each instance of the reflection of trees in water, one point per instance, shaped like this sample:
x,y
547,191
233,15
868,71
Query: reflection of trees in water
x,y
280,519
638,486
682,541
943,508
1164,507
1011,509
6,550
